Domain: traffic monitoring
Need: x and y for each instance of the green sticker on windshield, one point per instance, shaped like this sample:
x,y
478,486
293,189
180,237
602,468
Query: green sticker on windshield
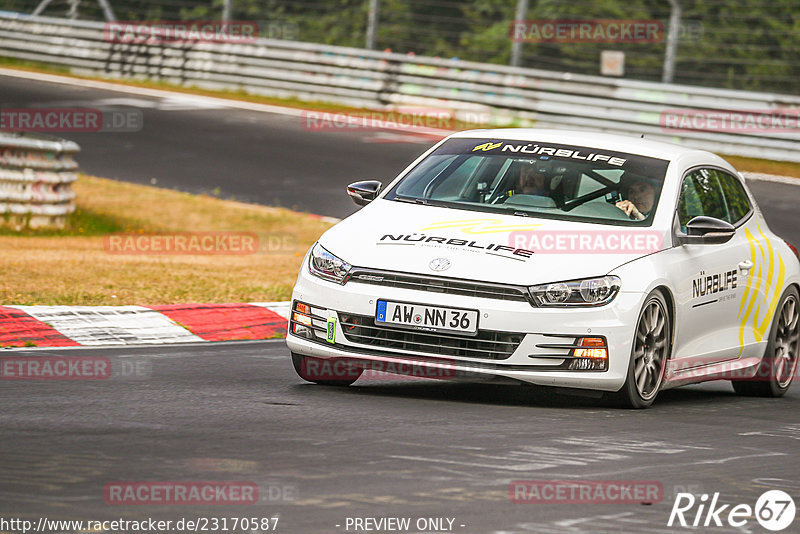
x,y
331,335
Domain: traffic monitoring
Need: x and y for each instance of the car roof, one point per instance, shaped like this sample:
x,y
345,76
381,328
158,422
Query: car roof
x,y
611,142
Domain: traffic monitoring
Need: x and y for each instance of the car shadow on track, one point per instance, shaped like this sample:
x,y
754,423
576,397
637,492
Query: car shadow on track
x,y
524,395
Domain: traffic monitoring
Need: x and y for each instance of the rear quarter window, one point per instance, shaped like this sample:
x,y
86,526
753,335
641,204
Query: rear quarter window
x,y
735,197
701,194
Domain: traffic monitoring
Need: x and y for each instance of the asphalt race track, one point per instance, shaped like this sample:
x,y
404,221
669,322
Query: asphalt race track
x,y
258,157
253,157
385,447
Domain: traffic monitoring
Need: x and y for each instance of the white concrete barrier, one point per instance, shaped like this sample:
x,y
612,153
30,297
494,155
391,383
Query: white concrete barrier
x,y
35,181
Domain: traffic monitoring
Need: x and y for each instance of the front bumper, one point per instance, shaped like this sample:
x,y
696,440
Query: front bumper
x,y
533,360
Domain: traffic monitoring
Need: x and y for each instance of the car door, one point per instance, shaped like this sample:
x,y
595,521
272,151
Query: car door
x,y
710,278
763,284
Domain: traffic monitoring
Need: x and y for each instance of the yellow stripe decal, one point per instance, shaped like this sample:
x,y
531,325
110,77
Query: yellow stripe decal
x,y
763,264
751,242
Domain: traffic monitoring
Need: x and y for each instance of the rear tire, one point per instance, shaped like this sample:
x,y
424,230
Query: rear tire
x,y
779,364
649,355
325,372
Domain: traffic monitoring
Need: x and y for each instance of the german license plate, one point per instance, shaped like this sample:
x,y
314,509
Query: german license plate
x,y
423,317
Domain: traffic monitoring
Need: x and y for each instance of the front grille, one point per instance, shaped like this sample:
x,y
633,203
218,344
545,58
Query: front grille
x,y
487,344
440,285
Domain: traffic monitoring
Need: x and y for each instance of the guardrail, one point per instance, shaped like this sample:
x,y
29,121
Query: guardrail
x,y
363,78
35,178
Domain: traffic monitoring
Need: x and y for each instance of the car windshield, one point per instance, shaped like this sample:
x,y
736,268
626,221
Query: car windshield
x,y
537,180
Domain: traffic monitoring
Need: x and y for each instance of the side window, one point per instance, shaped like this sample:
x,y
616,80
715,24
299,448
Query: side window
x,y
701,194
735,197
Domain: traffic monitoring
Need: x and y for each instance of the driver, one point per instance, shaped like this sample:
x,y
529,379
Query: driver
x,y
641,198
532,180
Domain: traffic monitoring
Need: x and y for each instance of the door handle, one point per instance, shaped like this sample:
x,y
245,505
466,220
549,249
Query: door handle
x,y
745,266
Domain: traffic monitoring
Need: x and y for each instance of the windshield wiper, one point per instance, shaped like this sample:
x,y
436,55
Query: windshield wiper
x,y
411,200
422,201
514,211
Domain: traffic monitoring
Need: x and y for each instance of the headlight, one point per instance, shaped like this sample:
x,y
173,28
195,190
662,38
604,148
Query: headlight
x,y
327,266
589,292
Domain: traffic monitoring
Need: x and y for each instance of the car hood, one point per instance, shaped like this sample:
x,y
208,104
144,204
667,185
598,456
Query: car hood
x,y
402,237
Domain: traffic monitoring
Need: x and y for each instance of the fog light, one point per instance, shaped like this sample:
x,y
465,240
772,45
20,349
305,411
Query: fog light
x,y
300,318
597,351
590,355
586,364
599,354
598,348
303,331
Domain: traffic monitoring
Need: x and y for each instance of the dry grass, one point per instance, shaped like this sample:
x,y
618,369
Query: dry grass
x,y
781,168
73,267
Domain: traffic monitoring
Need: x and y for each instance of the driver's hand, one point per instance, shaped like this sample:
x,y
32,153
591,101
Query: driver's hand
x,y
630,209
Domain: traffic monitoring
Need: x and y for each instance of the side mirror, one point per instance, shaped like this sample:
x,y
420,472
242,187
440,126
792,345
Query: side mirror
x,y
707,231
363,193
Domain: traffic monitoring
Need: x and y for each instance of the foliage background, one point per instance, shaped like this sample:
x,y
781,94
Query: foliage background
x,y
741,44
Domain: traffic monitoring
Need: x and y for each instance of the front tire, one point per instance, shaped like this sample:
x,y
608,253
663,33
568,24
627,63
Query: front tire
x,y
325,372
779,364
649,354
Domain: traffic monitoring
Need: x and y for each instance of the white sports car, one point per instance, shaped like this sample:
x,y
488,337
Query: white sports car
x,y
577,260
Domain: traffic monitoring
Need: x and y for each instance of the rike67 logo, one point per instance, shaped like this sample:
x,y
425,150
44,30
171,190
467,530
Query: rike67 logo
x,y
774,510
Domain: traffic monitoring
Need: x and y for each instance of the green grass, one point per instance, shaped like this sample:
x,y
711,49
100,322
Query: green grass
x,y
81,222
